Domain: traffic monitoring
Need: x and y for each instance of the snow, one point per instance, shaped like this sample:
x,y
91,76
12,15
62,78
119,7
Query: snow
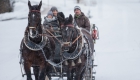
x,y
117,51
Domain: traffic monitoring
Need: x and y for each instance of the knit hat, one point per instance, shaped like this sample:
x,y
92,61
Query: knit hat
x,y
50,13
54,8
77,7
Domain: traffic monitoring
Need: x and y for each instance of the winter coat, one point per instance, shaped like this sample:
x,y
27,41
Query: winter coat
x,y
82,21
51,22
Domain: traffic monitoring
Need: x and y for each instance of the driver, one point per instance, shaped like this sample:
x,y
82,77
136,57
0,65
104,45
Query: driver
x,y
80,19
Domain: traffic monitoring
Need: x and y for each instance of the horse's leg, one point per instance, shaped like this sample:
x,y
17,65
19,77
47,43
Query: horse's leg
x,y
69,74
48,68
82,74
77,77
42,73
27,69
79,72
72,73
80,69
36,72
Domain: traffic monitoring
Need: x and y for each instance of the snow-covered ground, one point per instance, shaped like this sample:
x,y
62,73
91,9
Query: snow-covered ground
x,y
117,51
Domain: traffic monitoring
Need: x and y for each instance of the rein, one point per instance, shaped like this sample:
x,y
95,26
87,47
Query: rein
x,y
76,39
53,35
71,25
56,37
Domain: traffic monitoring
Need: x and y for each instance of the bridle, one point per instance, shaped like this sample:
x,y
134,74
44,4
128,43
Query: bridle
x,y
71,42
34,27
34,11
70,25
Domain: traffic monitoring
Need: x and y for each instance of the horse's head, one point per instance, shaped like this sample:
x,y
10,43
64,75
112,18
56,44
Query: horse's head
x,y
69,33
34,19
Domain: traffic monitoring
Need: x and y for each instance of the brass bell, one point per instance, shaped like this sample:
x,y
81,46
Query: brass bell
x,y
66,63
73,64
79,60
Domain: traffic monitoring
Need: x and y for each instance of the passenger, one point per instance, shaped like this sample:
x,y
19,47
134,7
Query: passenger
x,y
50,21
57,15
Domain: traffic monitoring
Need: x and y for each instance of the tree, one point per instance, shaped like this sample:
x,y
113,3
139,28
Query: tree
x,y
5,6
78,1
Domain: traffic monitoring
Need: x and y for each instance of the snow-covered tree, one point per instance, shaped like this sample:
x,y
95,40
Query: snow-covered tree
x,y
5,6
78,1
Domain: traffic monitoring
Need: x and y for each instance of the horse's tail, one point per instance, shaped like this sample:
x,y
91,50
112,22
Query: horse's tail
x,y
21,51
21,45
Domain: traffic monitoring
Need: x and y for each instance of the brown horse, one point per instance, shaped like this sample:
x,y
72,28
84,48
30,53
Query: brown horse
x,y
76,49
36,48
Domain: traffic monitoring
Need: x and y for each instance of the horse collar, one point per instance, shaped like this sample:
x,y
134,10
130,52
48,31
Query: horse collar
x,y
33,46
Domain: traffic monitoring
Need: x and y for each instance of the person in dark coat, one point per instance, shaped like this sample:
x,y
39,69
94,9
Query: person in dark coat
x,y
55,14
58,15
80,19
